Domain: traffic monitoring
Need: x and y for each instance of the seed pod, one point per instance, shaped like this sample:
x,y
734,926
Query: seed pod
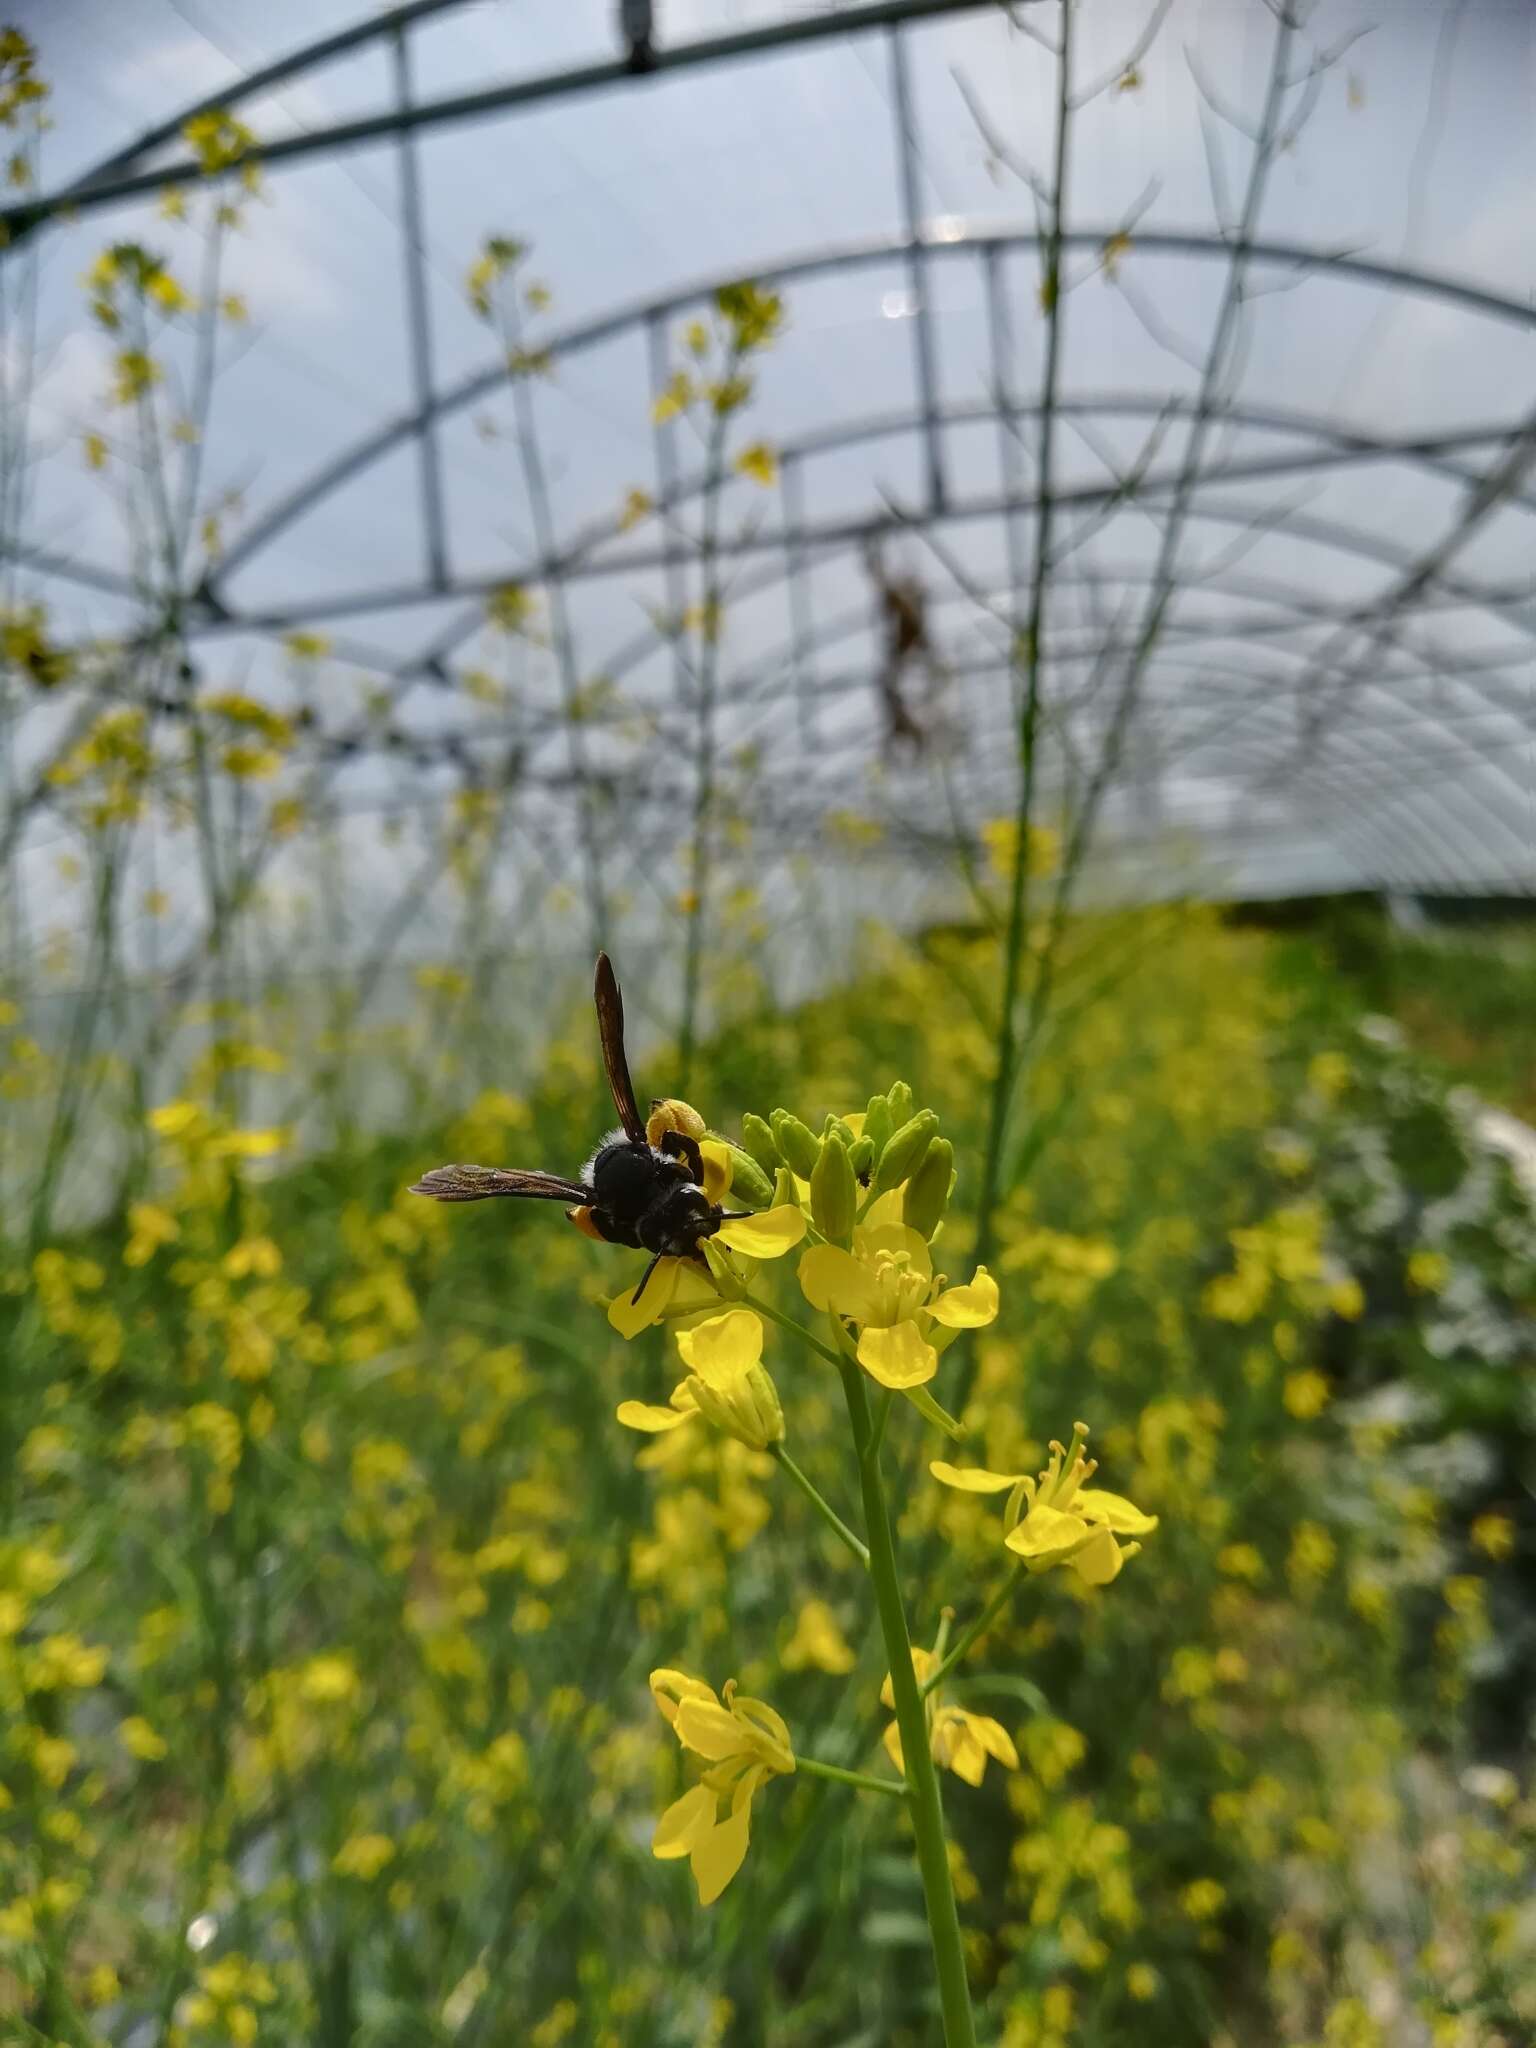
x,y
834,1194
929,1188
903,1155
748,1179
877,1123
799,1147
757,1139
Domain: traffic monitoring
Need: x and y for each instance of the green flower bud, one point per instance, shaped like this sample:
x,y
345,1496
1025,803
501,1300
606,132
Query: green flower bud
x,y
729,1284
861,1157
928,1189
784,1189
757,1139
748,1179
834,1127
799,1147
899,1101
834,1194
904,1154
877,1123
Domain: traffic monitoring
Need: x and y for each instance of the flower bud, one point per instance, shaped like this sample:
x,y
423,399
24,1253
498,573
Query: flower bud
x,y
904,1154
799,1147
861,1158
834,1127
748,1179
668,1114
877,1123
757,1139
784,1189
898,1100
728,1283
834,1193
928,1189
745,1406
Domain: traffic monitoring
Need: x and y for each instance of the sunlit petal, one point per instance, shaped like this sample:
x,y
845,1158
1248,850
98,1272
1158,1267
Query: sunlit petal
x,y
644,1415
971,1478
970,1307
684,1824
723,1347
768,1235
834,1279
1100,1559
629,1317
898,1357
898,1237
1046,1536
1113,1511
710,1730
718,1857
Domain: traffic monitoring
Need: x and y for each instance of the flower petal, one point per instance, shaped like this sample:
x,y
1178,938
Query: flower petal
x,y
724,1347
963,1754
895,1237
768,1235
684,1824
970,1307
669,1688
994,1739
1100,1559
971,1478
629,1317
710,1729
831,1278
717,1168
884,1208
898,1357
892,1741
646,1416
718,1857
1113,1511
771,1728
1047,1536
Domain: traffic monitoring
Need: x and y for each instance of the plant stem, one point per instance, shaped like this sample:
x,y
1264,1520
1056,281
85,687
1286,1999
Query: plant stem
x,y
777,1315
824,1508
922,1779
977,1629
860,1780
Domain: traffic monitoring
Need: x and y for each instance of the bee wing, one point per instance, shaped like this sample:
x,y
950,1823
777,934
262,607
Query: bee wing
x,y
478,1183
610,1030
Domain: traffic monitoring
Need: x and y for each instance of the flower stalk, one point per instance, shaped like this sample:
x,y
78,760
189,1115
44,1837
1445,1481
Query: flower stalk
x,y
926,1805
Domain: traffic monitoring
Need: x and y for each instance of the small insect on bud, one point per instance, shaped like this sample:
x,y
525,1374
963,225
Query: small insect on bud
x,y
904,1154
877,1123
757,1139
668,1114
834,1194
799,1147
928,1189
748,1180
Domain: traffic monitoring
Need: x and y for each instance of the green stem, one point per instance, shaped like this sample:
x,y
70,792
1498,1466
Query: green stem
x,y
777,1315
860,1780
911,1720
977,1629
824,1508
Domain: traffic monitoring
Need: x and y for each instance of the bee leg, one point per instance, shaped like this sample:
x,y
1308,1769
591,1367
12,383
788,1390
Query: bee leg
x,y
644,1277
678,1145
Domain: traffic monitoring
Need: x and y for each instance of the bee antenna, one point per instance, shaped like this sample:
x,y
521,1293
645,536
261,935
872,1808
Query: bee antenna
x,y
650,1269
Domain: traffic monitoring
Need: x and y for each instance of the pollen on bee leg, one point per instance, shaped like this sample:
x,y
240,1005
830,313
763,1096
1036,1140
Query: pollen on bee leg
x,y
582,1218
669,1114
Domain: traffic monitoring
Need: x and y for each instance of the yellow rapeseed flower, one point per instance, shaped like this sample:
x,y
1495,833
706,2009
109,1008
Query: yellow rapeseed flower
x,y
887,1286
363,1856
1058,1519
818,1643
746,1743
958,1741
726,1384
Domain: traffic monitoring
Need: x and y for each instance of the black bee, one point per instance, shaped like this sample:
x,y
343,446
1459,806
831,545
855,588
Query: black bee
x,y
631,1192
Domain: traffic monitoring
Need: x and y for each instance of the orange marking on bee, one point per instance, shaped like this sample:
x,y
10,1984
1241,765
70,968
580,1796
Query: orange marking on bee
x,y
582,1218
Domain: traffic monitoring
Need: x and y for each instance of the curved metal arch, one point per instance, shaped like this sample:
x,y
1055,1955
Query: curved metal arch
x,y
960,240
